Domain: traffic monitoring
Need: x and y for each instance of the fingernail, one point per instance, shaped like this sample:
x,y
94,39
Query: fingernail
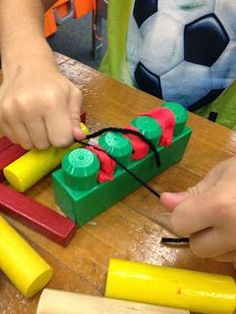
x,y
178,197
171,200
78,133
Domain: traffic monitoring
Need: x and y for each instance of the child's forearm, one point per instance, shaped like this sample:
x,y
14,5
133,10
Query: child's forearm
x,y
21,31
39,107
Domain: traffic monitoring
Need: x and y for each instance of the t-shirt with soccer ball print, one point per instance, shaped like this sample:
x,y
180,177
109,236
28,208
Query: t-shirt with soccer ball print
x,y
182,50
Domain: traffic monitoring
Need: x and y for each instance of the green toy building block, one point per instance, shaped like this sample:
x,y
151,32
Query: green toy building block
x,y
77,191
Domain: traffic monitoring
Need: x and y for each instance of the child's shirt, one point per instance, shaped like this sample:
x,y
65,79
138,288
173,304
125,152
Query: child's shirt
x,y
182,50
178,50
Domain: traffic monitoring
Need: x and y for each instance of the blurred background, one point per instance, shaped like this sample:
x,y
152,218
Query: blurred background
x,y
83,39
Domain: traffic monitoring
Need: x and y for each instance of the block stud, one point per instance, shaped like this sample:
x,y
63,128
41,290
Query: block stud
x,y
149,127
181,116
80,168
117,145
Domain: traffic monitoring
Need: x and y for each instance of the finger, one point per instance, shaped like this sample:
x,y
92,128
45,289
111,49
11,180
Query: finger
x,y
38,133
16,126
228,257
6,130
58,126
75,110
211,242
171,200
195,214
75,102
20,133
22,136
78,134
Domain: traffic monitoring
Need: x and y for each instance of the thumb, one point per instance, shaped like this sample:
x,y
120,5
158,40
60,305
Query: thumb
x,y
74,111
171,200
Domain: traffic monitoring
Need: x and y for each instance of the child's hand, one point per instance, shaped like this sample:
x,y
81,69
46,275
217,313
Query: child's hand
x,y
38,106
207,213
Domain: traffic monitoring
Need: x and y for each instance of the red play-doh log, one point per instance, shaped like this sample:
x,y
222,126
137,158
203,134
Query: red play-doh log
x,y
166,119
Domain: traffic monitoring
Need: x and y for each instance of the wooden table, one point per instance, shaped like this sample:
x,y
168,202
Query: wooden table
x,y
131,229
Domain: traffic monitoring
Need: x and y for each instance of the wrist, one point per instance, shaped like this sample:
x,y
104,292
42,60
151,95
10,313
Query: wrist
x,y
18,54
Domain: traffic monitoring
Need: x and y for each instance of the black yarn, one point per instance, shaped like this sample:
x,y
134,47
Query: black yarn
x,y
164,240
175,240
126,131
133,132
148,187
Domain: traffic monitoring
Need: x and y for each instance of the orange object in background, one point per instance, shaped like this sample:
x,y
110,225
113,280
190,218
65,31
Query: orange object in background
x,y
64,10
84,7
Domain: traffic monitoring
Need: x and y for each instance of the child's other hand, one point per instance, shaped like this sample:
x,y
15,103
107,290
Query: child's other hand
x,y
207,213
38,106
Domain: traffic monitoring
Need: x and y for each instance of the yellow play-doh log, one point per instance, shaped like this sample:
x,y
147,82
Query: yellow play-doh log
x,y
34,165
20,263
195,291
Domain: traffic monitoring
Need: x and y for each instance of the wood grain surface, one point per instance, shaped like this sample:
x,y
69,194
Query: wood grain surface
x,y
132,228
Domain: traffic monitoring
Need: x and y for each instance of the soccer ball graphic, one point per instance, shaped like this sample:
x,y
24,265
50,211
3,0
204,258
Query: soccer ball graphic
x,y
183,50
